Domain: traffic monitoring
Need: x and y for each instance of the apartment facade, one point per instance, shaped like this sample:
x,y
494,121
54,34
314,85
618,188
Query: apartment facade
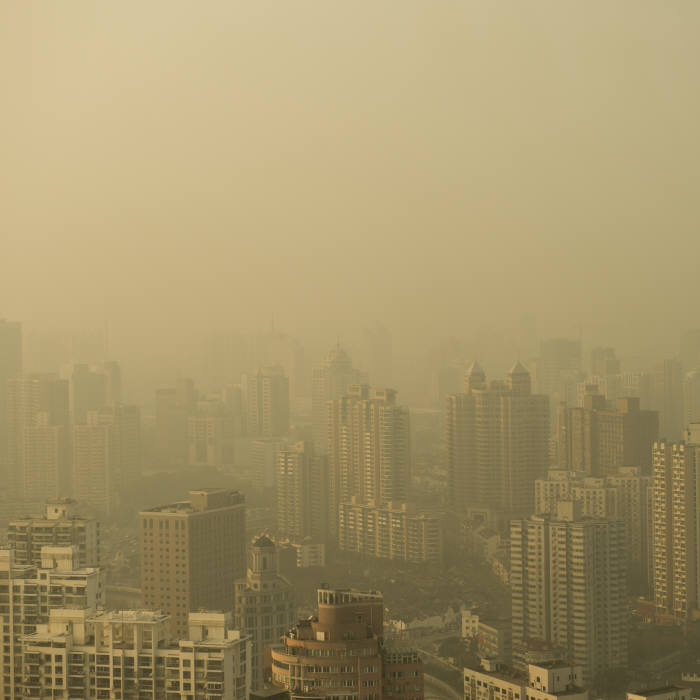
x,y
368,449
29,593
675,539
191,554
392,531
497,444
131,655
569,589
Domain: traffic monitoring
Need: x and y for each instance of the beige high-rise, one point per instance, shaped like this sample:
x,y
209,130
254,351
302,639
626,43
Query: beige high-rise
x,y
368,454
191,554
569,589
330,380
302,493
497,441
675,504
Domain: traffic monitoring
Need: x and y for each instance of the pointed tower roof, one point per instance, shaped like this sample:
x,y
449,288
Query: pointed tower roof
x,y
263,541
474,370
519,368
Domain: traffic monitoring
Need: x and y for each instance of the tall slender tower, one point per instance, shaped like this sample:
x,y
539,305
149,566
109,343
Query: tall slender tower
x,y
268,403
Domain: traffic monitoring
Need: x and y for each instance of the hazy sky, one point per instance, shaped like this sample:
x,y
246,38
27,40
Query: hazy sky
x,y
435,165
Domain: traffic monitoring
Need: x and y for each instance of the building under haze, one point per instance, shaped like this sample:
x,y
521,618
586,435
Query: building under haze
x,y
597,438
497,442
59,526
330,380
268,403
623,495
29,594
137,656
10,368
666,397
391,531
265,605
301,478
569,589
192,552
675,513
340,652
368,455
558,369
39,436
174,406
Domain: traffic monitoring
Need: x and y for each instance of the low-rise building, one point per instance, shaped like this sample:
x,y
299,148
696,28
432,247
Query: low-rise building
x,y
550,681
669,692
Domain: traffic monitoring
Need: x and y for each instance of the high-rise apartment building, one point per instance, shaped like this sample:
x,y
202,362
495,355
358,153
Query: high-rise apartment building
x,y
88,390
598,439
368,454
96,463
263,458
569,588
125,423
268,403
192,552
174,406
38,436
265,605
330,380
675,506
132,654
339,653
302,493
59,526
497,442
691,397
604,362
666,397
392,531
28,594
623,495
10,368
559,369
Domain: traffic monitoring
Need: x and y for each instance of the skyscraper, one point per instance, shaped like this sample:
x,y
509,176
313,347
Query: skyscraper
x,y
302,493
568,582
192,552
265,607
558,369
497,439
268,403
10,368
38,436
598,439
667,398
96,464
675,546
330,380
368,454
174,406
